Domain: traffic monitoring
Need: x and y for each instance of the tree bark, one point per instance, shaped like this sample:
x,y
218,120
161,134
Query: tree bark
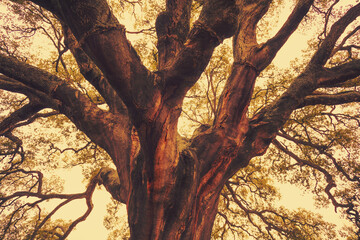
x,y
173,193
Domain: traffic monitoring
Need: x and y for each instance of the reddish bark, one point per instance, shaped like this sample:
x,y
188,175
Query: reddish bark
x,y
173,193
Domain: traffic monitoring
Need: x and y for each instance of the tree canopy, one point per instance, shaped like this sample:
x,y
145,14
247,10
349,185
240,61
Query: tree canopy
x,y
177,109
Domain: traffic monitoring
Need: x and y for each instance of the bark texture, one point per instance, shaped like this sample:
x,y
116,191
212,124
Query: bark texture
x,y
171,192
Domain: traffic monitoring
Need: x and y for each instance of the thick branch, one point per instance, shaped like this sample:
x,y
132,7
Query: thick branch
x,y
54,87
341,45
217,21
172,27
97,124
92,74
273,45
110,179
48,5
264,126
12,85
331,99
8,124
326,48
230,124
339,74
245,42
235,98
103,39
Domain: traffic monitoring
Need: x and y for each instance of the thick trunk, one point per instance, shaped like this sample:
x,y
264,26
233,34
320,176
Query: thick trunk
x,y
186,211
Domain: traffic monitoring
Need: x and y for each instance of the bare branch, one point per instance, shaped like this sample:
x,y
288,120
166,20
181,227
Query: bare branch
x,y
106,176
39,174
326,48
88,196
17,150
36,116
148,31
350,208
327,15
322,150
262,215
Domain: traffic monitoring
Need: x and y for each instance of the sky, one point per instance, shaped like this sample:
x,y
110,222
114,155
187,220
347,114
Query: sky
x,y
93,227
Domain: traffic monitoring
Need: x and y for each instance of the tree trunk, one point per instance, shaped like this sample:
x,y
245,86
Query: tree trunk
x,y
186,211
173,192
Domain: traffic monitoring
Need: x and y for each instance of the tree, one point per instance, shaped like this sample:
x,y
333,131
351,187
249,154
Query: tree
x,y
174,187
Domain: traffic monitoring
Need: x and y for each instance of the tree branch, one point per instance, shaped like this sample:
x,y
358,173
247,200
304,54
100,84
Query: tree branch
x,y
273,45
106,176
88,116
235,97
322,150
48,5
331,99
97,124
12,85
103,39
172,27
265,124
24,113
23,116
326,48
68,198
110,179
88,196
341,45
339,74
230,124
12,152
350,207
217,21
39,182
262,215
92,74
